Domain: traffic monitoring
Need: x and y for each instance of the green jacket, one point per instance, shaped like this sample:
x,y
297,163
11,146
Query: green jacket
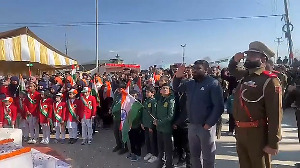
x,y
164,113
149,108
135,115
116,108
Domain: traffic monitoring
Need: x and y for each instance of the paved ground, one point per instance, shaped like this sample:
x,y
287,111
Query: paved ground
x,y
100,155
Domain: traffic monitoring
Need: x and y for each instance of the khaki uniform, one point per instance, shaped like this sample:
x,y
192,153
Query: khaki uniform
x,y
258,114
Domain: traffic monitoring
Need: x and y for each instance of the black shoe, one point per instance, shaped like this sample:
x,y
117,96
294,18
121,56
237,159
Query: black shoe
x,y
188,165
180,162
117,148
123,151
70,141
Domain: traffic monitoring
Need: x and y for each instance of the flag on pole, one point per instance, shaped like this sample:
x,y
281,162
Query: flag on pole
x,y
138,88
109,92
95,91
130,108
73,72
22,83
128,86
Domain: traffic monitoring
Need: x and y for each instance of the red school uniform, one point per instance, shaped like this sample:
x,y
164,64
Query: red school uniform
x,y
45,110
21,107
32,103
59,112
88,107
72,107
8,114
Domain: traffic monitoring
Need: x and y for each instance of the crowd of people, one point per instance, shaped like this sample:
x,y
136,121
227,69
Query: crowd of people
x,y
180,114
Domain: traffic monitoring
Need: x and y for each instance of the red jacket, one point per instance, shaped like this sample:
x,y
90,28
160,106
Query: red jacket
x,y
47,107
33,104
4,90
21,107
11,111
59,110
88,110
75,107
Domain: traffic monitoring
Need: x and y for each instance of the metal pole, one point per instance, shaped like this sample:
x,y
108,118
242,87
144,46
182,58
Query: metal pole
x,y
278,41
97,40
66,43
183,52
289,28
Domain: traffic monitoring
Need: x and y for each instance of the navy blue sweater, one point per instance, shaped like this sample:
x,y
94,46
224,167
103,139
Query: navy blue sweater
x,y
204,100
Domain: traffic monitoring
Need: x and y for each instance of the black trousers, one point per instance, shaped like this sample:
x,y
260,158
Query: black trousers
x,y
297,113
231,123
136,140
117,133
151,141
164,141
182,143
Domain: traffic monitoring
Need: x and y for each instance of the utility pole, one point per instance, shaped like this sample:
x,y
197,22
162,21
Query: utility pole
x,y
278,41
288,28
66,43
183,52
97,40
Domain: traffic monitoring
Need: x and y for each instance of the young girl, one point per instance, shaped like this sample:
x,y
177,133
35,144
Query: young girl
x,y
164,116
59,111
8,113
72,115
45,115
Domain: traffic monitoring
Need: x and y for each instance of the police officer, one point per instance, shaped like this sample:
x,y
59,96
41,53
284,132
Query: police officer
x,y
257,107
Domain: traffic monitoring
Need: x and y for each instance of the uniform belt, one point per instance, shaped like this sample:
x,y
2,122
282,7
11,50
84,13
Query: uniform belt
x,y
251,124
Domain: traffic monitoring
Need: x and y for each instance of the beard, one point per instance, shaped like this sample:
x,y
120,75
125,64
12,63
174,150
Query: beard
x,y
252,64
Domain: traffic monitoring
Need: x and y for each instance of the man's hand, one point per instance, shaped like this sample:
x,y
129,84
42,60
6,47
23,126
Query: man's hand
x,y
143,128
270,150
150,130
180,71
155,122
207,127
174,126
291,88
238,56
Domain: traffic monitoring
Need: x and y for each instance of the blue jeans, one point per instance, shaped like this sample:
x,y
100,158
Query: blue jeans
x,y
202,146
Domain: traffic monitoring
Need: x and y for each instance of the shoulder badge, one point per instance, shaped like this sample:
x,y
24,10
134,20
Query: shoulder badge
x,y
149,105
166,104
270,74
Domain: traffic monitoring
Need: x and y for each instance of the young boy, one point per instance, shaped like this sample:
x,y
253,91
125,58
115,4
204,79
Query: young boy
x,y
45,113
31,102
59,111
147,125
136,132
164,116
22,110
8,113
72,115
88,108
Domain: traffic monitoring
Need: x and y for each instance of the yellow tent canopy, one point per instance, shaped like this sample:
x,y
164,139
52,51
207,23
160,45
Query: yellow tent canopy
x,y
21,46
